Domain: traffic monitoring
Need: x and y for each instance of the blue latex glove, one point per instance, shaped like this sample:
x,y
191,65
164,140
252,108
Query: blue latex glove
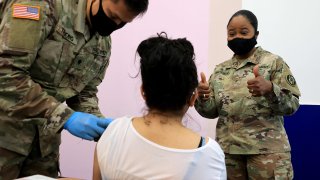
x,y
86,126
104,123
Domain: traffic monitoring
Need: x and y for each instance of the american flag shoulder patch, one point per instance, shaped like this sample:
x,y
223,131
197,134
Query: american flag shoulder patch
x,y
26,11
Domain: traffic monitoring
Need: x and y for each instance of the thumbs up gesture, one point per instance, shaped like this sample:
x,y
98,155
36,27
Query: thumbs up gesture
x,y
203,88
256,71
259,86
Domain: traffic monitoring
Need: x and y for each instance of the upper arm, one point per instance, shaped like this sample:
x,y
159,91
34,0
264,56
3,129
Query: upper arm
x,y
96,169
87,100
283,77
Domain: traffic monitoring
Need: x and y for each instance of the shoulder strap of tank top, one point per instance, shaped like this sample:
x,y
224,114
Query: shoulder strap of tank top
x,y
202,141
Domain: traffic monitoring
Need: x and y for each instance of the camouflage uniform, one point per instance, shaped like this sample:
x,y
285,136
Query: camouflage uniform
x,y
250,125
44,63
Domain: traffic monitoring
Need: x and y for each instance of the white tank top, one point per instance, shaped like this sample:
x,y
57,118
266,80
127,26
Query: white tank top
x,y
124,154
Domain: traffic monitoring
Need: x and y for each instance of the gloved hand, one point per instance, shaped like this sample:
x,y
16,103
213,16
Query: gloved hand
x,y
104,123
86,126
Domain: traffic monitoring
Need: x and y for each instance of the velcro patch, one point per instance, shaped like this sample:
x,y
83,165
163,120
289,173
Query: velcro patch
x,y
26,11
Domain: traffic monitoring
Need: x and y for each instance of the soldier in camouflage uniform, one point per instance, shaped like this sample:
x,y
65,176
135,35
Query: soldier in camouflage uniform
x,y
250,93
51,52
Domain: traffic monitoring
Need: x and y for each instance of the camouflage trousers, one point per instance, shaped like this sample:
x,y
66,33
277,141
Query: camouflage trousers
x,y
14,165
259,167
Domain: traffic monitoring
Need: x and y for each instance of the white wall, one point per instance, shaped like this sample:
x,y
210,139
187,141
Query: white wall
x,y
220,13
290,28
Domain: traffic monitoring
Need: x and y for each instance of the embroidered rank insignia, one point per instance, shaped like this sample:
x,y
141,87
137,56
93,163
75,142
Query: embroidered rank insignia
x,y
26,11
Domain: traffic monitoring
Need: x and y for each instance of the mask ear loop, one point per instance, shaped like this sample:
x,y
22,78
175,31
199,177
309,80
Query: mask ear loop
x,y
91,9
100,7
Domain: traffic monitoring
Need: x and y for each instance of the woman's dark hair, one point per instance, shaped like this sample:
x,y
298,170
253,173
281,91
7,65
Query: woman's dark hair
x,y
138,6
249,15
168,71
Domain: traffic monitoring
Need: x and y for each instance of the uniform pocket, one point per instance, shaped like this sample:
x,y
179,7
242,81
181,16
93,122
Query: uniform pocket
x,y
283,169
283,173
86,66
48,62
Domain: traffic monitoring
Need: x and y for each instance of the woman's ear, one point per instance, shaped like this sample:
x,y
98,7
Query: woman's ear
x,y
257,34
193,98
142,92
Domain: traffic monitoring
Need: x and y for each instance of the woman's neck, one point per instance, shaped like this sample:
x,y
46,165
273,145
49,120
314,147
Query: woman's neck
x,y
166,130
160,118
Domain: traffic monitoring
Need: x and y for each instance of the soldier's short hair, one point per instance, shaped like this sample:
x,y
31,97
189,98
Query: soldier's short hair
x,y
137,6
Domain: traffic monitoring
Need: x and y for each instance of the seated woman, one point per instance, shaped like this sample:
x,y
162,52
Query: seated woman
x,y
157,145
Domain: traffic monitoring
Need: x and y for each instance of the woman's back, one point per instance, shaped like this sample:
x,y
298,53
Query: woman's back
x,y
157,145
123,153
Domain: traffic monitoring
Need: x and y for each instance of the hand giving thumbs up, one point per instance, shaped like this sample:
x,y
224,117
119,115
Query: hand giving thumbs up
x,y
259,86
203,87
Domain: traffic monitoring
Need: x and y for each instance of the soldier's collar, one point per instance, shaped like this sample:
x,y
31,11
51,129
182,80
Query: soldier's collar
x,y
235,63
254,58
80,20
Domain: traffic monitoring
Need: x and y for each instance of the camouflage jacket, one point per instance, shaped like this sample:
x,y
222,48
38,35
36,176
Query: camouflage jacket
x,y
48,56
247,124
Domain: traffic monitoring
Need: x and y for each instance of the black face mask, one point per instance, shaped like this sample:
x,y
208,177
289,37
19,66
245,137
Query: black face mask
x,y
102,23
242,46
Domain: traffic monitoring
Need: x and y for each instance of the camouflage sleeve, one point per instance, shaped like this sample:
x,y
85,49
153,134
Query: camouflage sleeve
x,y
20,40
2,7
208,108
87,100
284,100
